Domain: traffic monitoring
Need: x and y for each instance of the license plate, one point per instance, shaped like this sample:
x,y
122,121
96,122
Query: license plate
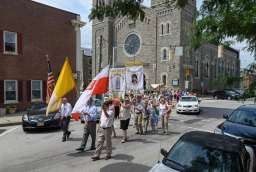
x,y
40,124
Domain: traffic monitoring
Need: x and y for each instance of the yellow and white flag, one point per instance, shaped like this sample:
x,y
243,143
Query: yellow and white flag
x,y
65,84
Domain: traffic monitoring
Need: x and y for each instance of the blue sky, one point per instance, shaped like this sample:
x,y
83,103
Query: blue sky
x,y
83,8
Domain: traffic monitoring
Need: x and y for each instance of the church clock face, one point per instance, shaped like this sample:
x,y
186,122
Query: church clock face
x,y
132,44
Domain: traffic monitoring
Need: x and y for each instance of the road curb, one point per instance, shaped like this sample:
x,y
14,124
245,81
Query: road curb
x,y
10,124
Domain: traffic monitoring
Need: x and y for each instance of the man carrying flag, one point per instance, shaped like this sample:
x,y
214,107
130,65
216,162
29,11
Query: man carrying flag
x,y
64,85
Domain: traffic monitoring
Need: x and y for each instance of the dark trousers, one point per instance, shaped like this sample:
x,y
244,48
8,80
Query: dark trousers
x,y
117,111
89,129
64,126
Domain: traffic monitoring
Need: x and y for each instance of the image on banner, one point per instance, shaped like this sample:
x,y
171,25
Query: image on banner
x,y
134,78
117,81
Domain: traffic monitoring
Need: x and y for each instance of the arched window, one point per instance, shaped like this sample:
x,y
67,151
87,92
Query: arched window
x,y
164,54
207,70
164,79
197,69
167,28
162,29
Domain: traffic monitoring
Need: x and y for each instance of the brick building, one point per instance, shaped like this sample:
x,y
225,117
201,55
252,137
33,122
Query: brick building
x,y
28,32
87,66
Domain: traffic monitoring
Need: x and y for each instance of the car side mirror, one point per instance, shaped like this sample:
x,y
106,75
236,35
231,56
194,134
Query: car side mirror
x,y
199,101
225,116
164,152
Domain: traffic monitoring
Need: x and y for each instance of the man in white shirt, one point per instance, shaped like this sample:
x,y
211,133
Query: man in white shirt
x,y
89,117
105,131
65,111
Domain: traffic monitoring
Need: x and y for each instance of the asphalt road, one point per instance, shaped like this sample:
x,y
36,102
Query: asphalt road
x,y
43,151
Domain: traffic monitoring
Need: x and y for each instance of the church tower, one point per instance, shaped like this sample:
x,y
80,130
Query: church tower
x,y
173,35
102,40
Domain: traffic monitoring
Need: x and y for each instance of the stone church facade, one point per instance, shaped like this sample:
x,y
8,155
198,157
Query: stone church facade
x,y
161,44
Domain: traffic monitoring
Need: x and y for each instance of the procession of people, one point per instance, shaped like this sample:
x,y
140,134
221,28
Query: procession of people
x,y
148,110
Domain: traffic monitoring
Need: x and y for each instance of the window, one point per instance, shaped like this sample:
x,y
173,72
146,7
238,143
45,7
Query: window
x,y
206,73
10,91
197,69
164,79
167,28
164,54
162,29
10,42
36,90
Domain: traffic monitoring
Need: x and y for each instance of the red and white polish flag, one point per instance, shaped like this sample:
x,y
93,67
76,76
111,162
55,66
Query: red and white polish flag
x,y
99,85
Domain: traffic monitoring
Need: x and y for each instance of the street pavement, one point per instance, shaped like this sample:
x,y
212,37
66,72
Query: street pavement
x,y
41,151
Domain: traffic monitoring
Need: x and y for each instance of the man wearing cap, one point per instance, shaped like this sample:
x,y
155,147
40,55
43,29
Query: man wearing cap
x,y
89,117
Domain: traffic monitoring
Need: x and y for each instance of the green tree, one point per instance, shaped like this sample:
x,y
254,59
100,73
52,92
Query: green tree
x,y
219,20
131,8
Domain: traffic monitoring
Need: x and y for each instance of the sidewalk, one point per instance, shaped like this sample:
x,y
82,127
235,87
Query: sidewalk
x,y
11,119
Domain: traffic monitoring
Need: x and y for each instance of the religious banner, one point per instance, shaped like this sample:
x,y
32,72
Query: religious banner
x,y
134,78
117,80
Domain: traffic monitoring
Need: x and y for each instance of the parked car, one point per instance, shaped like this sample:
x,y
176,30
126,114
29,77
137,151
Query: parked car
x,y
241,124
35,117
226,94
188,104
238,91
199,151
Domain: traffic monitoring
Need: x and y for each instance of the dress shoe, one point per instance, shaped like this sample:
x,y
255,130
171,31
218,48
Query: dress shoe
x,y
108,157
92,148
64,139
80,149
95,158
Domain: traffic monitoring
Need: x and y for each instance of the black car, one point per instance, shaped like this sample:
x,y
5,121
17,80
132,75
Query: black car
x,y
241,123
36,118
199,151
226,94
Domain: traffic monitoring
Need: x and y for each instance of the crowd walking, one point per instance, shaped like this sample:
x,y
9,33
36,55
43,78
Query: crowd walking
x,y
146,110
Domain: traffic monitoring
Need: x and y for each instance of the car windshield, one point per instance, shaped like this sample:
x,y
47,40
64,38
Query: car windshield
x,y
245,117
231,92
191,157
188,99
37,106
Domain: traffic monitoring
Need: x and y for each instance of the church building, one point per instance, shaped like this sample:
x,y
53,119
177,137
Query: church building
x,y
160,43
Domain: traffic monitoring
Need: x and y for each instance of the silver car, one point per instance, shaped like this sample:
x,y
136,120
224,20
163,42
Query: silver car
x,y
199,151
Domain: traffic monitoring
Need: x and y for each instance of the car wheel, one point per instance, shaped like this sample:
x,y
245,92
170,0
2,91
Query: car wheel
x,y
229,98
25,129
177,112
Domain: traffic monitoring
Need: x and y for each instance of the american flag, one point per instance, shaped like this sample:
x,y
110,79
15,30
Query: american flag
x,y
50,80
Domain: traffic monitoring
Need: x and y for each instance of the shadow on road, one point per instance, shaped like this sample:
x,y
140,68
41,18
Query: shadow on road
x,y
123,157
2,130
75,139
42,131
79,154
140,140
212,112
125,167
